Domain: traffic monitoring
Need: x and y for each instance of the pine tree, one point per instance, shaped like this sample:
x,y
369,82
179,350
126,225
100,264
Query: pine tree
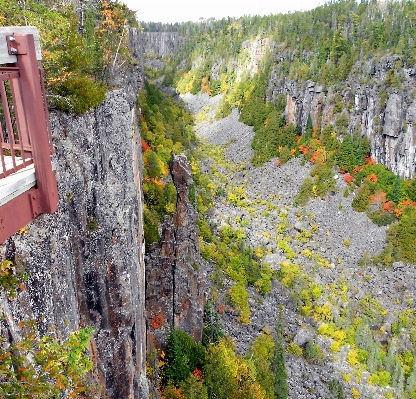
x,y
397,188
212,331
278,363
309,128
176,369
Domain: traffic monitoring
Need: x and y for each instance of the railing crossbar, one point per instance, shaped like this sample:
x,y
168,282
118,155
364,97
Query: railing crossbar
x,y
21,124
9,126
17,141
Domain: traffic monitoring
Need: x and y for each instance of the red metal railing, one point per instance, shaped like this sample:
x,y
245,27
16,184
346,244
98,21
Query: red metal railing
x,y
25,136
16,152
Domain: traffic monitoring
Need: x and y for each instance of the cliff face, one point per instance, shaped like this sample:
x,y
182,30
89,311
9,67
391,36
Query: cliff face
x,y
86,261
368,106
175,288
159,43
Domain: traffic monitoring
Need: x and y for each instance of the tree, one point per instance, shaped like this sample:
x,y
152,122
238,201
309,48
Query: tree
x,y
411,190
278,362
39,366
175,369
261,354
397,189
221,370
308,128
212,331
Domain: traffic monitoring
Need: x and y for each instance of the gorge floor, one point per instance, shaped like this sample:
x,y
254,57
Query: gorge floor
x,y
326,238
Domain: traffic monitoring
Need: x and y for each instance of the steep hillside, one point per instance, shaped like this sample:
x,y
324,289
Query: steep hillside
x,y
344,64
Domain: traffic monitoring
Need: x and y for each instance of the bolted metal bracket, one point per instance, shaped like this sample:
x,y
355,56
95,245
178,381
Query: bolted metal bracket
x,y
34,203
13,45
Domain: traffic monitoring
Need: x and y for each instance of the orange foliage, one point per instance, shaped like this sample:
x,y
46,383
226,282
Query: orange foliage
x,y
303,149
356,169
318,156
398,212
314,156
408,203
221,308
388,206
177,392
157,321
369,161
373,178
315,131
159,183
348,178
298,138
278,162
205,86
292,151
280,148
198,374
145,146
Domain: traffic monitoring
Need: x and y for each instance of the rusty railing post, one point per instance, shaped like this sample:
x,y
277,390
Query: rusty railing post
x,y
24,49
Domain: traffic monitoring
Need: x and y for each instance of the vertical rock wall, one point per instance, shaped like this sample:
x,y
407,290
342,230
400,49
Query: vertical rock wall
x,y
389,125
86,261
175,290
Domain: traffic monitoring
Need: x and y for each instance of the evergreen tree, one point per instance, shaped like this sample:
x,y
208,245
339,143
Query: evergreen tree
x,y
278,363
212,331
397,189
411,190
176,369
308,128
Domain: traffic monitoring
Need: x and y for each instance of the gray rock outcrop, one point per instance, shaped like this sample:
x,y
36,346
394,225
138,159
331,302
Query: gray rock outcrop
x,y
85,261
175,287
366,103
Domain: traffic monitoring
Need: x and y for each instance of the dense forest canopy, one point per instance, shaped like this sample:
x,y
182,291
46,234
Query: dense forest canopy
x,y
322,44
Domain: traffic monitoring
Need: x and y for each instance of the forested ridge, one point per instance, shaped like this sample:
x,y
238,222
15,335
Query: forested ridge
x,y
322,44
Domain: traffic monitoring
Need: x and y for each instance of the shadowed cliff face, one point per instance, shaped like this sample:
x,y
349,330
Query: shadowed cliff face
x,y
389,125
175,288
85,261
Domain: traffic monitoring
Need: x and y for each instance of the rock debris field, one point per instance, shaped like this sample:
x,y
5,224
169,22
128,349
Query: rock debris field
x,y
341,236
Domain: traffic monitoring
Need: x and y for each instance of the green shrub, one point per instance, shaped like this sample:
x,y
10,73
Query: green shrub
x,y
294,349
212,331
77,94
403,236
381,378
239,298
360,202
305,192
381,217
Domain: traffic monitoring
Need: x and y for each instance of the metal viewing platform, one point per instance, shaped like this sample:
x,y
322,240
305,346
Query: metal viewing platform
x,y
27,183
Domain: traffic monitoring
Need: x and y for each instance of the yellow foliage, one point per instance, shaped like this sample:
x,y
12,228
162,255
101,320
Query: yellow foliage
x,y
323,312
335,346
259,252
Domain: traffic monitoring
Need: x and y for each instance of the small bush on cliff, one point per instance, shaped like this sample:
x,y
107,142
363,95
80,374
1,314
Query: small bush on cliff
x,y
38,366
77,61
